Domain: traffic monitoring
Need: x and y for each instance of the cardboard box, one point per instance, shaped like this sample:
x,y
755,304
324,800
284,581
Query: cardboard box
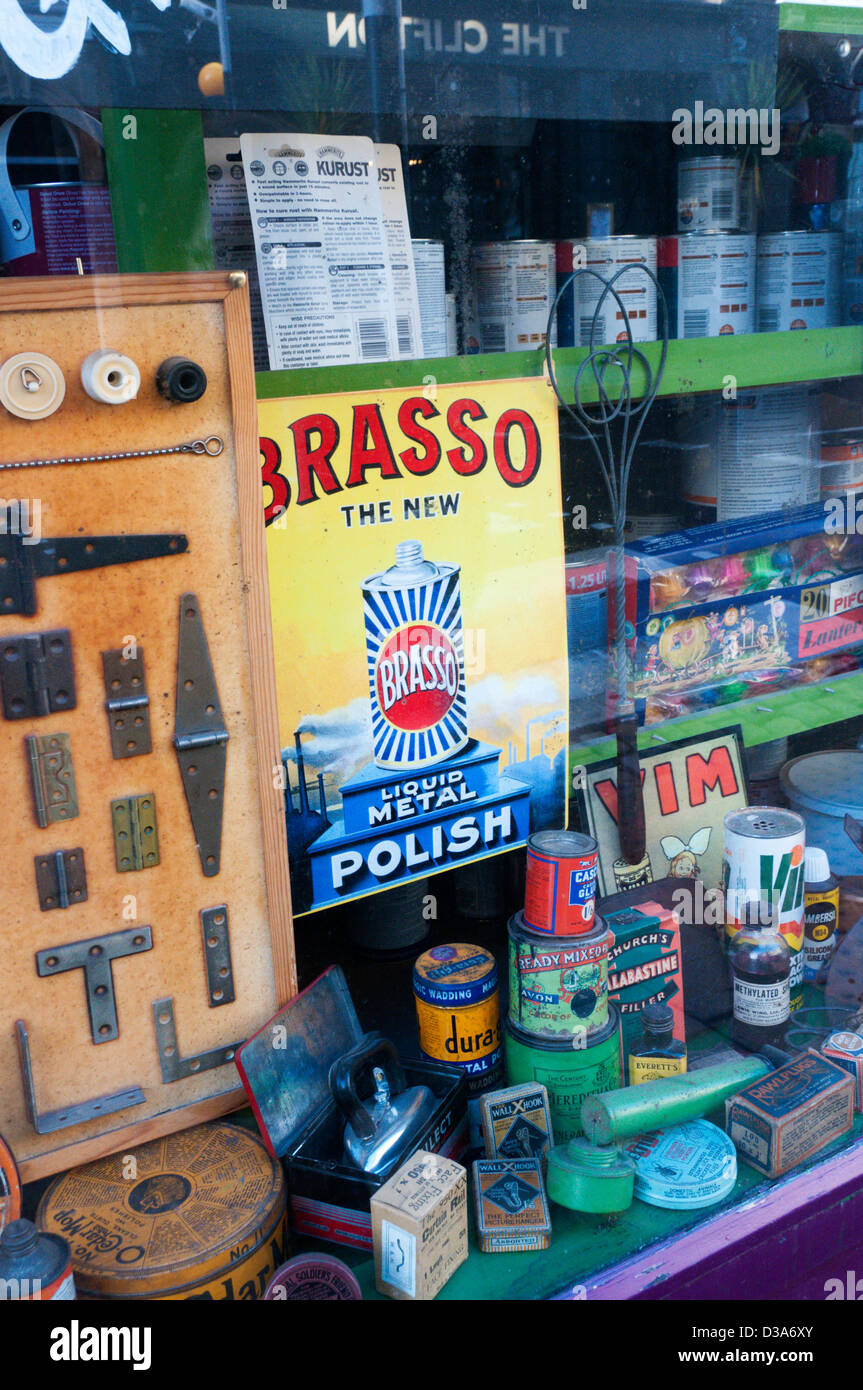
x,y
644,967
766,632
511,1206
419,1227
779,1121
516,1123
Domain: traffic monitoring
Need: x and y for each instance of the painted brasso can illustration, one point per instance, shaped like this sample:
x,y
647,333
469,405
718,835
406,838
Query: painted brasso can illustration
x,y
415,653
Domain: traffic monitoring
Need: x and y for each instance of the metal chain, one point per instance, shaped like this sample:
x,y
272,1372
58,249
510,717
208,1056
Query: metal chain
x,y
212,446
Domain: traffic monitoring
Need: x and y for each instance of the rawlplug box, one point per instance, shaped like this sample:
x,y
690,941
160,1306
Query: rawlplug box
x,y
779,1120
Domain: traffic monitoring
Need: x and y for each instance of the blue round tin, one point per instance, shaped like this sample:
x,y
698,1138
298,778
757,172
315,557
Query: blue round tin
x,y
457,974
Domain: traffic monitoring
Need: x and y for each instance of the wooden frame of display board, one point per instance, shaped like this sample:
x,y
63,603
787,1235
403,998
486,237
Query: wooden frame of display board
x,y
216,503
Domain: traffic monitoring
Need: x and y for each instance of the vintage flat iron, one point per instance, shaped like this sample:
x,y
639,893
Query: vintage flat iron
x,y
380,1127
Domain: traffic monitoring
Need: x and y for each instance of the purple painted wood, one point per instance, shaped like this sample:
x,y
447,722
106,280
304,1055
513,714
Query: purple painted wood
x,y
784,1243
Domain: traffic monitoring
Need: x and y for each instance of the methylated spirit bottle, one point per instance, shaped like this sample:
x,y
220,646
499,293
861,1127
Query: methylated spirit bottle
x,y
658,1052
759,959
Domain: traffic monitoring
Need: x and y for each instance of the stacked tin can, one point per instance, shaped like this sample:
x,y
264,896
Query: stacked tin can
x,y
561,1029
456,997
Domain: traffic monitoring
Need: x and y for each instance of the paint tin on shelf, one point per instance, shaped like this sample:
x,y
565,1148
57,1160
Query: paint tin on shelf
x,y
479,889
431,293
415,654
204,1218
711,195
708,279
514,284
841,462
391,925
825,788
458,1011
578,303
569,1073
558,986
560,883
753,454
799,277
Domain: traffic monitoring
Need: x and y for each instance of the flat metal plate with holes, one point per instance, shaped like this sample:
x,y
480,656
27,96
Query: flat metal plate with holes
x,y
52,777
200,735
51,1120
217,955
21,564
177,1068
127,703
61,878
94,956
136,838
37,675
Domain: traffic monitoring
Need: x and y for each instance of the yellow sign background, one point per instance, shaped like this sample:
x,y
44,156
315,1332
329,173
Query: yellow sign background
x,y
508,541
506,538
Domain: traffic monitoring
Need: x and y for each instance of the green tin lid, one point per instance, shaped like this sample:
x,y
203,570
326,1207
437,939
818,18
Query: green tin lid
x,y
590,1177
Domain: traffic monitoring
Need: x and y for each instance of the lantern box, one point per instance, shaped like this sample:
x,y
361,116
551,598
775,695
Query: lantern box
x,y
728,611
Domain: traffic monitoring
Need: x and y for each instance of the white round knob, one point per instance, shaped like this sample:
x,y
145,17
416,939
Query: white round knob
x,y
31,385
110,377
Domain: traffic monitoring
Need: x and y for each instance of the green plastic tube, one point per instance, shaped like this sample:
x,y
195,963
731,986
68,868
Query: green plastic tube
x,y
618,1115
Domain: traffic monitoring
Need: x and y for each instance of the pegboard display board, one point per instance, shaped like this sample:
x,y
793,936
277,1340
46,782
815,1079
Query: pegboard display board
x,y
138,989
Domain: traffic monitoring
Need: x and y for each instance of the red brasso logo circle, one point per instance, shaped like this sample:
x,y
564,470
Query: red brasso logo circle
x,y
417,676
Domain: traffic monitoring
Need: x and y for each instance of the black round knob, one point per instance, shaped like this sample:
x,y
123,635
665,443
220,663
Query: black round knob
x,y
181,380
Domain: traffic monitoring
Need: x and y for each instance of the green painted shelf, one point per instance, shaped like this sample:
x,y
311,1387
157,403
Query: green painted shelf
x,y
694,364
582,1245
775,715
821,19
